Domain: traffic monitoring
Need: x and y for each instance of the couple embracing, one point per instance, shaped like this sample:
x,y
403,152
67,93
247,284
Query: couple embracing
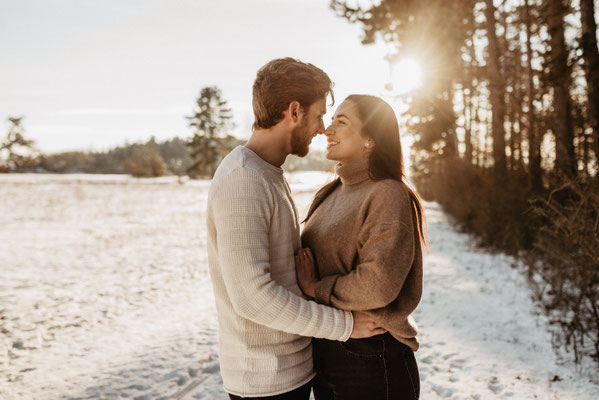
x,y
330,310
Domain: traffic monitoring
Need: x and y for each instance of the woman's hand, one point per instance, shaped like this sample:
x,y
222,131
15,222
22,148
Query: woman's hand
x,y
364,326
305,270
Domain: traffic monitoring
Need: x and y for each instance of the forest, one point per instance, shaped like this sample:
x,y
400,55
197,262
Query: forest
x,y
506,134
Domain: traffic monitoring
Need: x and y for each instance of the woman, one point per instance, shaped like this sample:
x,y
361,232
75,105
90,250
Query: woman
x,y
362,240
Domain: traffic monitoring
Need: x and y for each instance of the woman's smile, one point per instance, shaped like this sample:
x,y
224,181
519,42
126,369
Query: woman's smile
x,y
331,143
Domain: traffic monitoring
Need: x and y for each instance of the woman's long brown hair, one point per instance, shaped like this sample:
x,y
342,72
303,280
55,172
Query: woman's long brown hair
x,y
386,159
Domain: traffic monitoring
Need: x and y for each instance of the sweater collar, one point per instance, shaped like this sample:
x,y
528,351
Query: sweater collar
x,y
260,160
353,172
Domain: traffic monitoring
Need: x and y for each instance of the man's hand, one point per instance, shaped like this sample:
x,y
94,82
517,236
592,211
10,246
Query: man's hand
x,y
364,326
305,270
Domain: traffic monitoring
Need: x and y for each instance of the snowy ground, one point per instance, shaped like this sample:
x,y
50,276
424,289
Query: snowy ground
x,y
105,294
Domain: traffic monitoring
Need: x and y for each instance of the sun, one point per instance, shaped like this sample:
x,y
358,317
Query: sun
x,y
406,75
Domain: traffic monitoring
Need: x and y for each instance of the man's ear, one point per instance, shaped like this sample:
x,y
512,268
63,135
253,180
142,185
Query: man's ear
x,y
294,110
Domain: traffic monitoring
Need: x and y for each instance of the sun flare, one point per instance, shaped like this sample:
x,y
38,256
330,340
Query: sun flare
x,y
406,75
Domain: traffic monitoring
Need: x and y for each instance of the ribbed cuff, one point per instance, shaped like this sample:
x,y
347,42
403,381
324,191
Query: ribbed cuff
x,y
349,326
324,289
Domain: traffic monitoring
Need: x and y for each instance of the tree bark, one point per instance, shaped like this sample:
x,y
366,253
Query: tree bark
x,y
534,143
517,99
497,95
468,123
590,55
472,111
565,161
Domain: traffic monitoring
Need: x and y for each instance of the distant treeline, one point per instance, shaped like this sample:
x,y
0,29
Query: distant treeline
x,y
152,158
196,157
168,157
314,161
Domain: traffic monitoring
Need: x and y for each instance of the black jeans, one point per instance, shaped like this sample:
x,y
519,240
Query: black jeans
x,y
376,368
301,393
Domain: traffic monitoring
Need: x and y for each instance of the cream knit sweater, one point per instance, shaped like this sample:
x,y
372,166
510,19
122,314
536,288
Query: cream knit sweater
x,y
265,324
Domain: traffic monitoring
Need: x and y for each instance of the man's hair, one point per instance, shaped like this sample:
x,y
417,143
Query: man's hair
x,y
282,81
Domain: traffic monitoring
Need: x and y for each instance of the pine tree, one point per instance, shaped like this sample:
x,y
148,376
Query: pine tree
x,y
16,152
210,141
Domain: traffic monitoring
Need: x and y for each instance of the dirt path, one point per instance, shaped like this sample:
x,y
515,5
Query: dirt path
x,y
482,335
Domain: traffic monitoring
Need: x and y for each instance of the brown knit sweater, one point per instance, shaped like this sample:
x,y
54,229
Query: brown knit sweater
x,y
363,235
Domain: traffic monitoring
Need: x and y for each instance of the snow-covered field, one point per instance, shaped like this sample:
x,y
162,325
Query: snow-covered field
x,y
105,294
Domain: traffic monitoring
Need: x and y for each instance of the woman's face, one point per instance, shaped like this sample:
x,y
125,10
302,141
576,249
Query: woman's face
x,y
344,137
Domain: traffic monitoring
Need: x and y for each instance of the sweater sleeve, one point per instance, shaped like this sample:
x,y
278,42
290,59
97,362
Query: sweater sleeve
x,y
242,208
386,251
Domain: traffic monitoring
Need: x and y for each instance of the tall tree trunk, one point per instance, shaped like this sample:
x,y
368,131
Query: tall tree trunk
x,y
497,95
565,161
517,129
534,142
585,153
489,142
510,76
447,113
472,109
476,147
590,54
509,134
468,124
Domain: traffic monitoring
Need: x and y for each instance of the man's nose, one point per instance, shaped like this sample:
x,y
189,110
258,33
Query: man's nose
x,y
321,127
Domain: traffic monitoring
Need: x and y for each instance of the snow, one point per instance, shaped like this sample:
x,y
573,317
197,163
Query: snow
x,y
105,294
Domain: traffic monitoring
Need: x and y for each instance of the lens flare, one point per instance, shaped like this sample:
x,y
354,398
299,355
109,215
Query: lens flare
x,y
406,75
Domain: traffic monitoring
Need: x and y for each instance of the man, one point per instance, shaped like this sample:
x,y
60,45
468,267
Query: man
x,y
265,324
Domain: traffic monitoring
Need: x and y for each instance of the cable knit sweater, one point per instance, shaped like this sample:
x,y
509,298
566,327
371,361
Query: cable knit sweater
x,y
363,236
264,322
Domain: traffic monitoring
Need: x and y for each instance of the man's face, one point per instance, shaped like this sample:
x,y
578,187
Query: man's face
x,y
310,125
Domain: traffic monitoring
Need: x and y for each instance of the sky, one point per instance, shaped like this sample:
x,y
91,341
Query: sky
x,y
90,75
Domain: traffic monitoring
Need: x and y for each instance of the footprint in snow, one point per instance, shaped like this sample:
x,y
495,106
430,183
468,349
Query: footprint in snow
x,y
457,364
495,386
448,356
427,360
443,391
211,368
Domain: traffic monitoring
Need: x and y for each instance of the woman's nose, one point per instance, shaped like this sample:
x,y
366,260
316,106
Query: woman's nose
x,y
329,130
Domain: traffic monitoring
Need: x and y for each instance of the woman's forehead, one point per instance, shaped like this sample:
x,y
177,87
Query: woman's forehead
x,y
346,109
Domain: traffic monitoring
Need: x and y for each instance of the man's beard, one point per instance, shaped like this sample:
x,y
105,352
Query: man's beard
x,y
300,141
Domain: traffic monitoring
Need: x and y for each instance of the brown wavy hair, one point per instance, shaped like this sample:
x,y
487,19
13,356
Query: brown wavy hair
x,y
282,81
